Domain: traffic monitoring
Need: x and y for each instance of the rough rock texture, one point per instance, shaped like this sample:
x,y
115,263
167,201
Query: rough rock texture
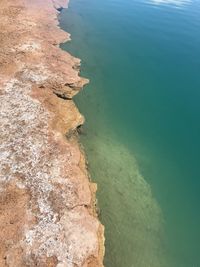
x,y
47,204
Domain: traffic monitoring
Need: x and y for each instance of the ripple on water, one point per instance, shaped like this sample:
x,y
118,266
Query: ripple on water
x,y
176,3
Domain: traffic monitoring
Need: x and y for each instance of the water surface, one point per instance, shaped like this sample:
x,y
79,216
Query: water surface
x,y
142,124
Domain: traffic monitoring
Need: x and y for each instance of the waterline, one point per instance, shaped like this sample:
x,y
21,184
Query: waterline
x,y
143,61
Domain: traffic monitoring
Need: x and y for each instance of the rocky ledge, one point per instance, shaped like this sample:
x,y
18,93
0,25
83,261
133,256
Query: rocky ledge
x,y
47,203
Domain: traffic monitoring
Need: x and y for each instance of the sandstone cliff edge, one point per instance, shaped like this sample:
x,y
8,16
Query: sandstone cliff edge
x,y
47,203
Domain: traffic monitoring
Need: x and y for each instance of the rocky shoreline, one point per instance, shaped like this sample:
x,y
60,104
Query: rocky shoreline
x,y
47,203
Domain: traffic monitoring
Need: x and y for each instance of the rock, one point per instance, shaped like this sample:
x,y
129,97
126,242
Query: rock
x,y
47,211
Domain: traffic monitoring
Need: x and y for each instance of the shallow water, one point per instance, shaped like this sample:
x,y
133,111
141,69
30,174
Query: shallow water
x,y
142,124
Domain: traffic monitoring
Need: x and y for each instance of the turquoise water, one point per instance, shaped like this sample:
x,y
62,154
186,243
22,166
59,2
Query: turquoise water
x,y
142,125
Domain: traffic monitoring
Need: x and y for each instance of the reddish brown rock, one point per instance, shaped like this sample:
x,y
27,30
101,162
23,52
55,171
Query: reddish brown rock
x,y
47,204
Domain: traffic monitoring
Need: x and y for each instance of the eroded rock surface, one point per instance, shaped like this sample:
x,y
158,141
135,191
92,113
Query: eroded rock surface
x,y
47,204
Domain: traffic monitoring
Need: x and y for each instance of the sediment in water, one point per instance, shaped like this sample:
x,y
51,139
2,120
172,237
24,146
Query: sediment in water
x,y
47,214
134,223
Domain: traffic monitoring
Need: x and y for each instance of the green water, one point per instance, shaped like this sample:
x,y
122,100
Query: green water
x,y
142,125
